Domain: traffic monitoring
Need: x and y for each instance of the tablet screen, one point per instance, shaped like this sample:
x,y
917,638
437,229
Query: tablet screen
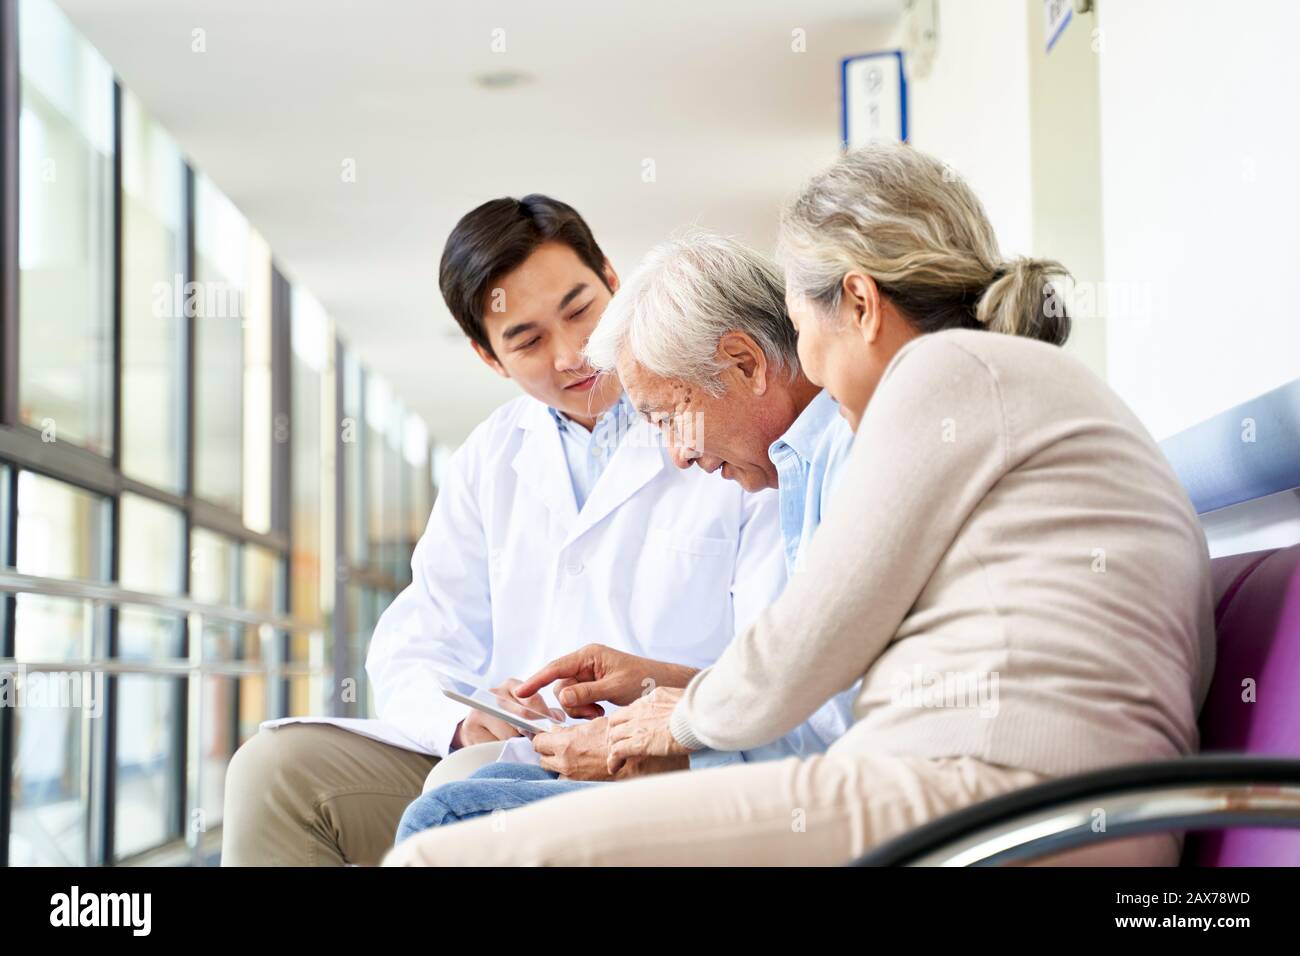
x,y
529,719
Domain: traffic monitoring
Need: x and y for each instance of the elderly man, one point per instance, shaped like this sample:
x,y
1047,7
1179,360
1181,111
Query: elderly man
x,y
705,350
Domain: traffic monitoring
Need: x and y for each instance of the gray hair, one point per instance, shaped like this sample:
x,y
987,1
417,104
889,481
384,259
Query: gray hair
x,y
908,221
683,297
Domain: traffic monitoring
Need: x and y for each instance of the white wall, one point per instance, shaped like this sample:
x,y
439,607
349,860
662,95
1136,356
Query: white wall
x,y
972,109
1201,202
1065,153
1021,127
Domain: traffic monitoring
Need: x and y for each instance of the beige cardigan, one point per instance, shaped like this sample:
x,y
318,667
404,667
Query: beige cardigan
x,y
1009,565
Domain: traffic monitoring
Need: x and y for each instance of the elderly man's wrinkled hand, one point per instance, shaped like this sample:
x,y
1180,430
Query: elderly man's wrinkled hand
x,y
580,752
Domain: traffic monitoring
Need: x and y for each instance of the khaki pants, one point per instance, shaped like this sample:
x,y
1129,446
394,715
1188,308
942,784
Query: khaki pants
x,y
316,795
825,810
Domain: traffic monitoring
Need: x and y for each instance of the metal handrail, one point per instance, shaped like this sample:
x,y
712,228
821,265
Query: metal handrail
x,y
1201,792
194,615
176,667
1157,810
96,593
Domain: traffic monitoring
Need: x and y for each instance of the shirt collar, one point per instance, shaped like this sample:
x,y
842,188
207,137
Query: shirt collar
x,y
563,422
803,435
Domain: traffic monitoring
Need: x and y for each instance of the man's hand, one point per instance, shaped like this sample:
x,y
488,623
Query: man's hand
x,y
582,753
481,728
597,673
578,753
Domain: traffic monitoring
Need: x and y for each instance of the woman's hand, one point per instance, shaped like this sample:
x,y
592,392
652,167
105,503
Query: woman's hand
x,y
597,673
641,730
582,753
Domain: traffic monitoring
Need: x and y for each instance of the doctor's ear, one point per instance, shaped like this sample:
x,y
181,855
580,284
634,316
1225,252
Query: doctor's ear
x,y
489,360
610,277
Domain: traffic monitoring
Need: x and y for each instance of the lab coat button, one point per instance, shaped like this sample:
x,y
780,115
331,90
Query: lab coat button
x,y
575,567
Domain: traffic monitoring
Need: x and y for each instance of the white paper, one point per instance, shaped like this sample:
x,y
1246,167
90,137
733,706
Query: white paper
x,y
366,727
519,750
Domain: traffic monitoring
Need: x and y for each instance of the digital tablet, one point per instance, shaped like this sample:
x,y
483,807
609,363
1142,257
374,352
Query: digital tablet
x,y
504,706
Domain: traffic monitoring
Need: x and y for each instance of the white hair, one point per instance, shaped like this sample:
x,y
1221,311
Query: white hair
x,y
908,221
683,297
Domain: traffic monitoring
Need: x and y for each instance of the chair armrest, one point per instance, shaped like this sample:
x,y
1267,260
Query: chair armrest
x,y
1204,792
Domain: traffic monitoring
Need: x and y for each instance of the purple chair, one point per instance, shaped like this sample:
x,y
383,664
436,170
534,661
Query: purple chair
x,y
1257,616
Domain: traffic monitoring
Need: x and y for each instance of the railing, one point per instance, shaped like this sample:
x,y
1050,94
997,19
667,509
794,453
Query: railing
x,y
271,629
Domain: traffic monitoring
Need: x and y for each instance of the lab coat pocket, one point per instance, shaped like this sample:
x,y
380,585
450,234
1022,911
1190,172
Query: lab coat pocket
x,y
682,594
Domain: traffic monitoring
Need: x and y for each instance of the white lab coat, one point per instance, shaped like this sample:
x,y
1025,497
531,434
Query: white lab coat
x,y
662,563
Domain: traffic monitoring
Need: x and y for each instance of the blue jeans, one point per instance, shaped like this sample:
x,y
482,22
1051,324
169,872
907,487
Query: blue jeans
x,y
496,786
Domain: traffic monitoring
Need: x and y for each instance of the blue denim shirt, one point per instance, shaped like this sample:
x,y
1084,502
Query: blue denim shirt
x,y
588,452
807,458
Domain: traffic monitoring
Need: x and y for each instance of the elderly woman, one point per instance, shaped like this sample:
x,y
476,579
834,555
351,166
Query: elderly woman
x,y
1009,567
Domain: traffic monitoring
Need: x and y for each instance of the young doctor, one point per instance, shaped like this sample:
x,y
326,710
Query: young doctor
x,y
560,522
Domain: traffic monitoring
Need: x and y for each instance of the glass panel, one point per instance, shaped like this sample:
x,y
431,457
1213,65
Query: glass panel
x,y
65,231
365,605
312,511
352,437
258,425
383,491
218,736
214,580
62,533
149,744
263,591
152,546
419,486
212,567
310,435
149,757
263,579
222,238
153,301
50,795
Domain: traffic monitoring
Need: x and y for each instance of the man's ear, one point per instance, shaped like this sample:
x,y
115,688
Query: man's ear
x,y
489,359
611,277
738,352
860,304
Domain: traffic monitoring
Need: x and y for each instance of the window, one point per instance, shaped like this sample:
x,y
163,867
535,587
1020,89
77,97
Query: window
x,y
62,532
149,744
312,455
159,512
387,550
311,531
259,429
214,579
154,298
222,239
418,488
353,429
65,232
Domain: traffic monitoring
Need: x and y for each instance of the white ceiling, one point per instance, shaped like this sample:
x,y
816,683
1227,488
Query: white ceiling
x,y
287,90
